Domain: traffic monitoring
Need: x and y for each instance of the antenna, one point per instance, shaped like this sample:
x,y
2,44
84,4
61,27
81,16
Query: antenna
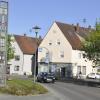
x,y
84,21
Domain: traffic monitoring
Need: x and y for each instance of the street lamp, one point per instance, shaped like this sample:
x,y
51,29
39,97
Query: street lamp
x,y
36,29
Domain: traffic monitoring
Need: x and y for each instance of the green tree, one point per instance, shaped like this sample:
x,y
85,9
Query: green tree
x,y
10,50
91,45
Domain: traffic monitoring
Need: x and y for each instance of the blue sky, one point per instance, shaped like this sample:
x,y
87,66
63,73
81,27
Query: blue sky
x,y
25,14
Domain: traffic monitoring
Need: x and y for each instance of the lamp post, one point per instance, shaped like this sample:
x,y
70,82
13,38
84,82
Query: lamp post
x,y
36,29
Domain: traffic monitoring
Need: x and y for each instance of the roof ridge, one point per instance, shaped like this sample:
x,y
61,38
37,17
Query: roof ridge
x,y
73,25
25,36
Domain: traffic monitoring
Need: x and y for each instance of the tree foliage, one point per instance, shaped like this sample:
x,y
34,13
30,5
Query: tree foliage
x,y
92,45
10,50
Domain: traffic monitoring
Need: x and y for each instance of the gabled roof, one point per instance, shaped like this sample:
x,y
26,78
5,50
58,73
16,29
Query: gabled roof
x,y
71,33
28,45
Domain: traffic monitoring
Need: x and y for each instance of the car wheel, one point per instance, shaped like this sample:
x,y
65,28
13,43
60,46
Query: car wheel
x,y
42,81
95,78
53,81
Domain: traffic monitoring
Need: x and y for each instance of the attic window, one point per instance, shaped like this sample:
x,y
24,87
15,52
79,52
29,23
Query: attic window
x,y
58,42
54,31
50,42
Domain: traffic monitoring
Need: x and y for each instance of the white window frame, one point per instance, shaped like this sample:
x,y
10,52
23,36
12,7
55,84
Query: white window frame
x,y
50,42
16,68
84,70
17,57
58,42
62,54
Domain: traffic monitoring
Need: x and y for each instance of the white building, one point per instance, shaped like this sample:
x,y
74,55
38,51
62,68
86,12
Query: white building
x,y
24,52
60,51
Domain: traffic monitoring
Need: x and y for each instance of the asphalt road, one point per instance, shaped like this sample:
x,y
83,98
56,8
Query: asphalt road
x,y
61,91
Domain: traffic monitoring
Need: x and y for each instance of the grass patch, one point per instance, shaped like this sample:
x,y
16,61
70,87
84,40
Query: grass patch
x,y
22,87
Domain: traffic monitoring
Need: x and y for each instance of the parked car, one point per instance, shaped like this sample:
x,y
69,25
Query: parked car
x,y
93,76
46,77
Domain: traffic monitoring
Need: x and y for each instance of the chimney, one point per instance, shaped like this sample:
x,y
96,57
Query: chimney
x,y
77,27
72,24
24,34
40,37
89,27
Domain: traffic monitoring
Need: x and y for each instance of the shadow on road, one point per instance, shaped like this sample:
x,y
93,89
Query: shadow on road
x,y
83,82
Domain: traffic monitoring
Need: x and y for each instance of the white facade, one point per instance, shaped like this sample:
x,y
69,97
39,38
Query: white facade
x,y
79,61
61,53
24,61
27,64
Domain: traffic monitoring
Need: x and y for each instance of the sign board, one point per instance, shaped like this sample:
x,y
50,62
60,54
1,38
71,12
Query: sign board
x,y
39,49
47,60
3,35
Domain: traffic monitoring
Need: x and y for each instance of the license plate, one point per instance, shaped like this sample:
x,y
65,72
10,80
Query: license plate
x,y
49,79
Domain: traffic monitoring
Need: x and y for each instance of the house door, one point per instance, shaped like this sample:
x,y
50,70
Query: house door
x,y
8,69
78,69
63,72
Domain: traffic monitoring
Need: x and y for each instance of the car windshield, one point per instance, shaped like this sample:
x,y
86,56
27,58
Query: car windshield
x,y
47,74
92,73
97,73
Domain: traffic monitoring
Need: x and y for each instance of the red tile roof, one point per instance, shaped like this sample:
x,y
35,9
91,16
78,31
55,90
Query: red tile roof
x,y
70,32
28,45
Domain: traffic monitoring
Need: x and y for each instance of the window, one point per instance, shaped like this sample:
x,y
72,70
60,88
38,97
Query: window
x,y
3,4
78,69
47,55
16,68
79,55
84,70
2,53
50,42
58,42
17,57
62,54
2,42
0,19
84,55
98,70
47,58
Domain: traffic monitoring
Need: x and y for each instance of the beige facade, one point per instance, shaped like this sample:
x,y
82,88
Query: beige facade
x,y
56,51
54,48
